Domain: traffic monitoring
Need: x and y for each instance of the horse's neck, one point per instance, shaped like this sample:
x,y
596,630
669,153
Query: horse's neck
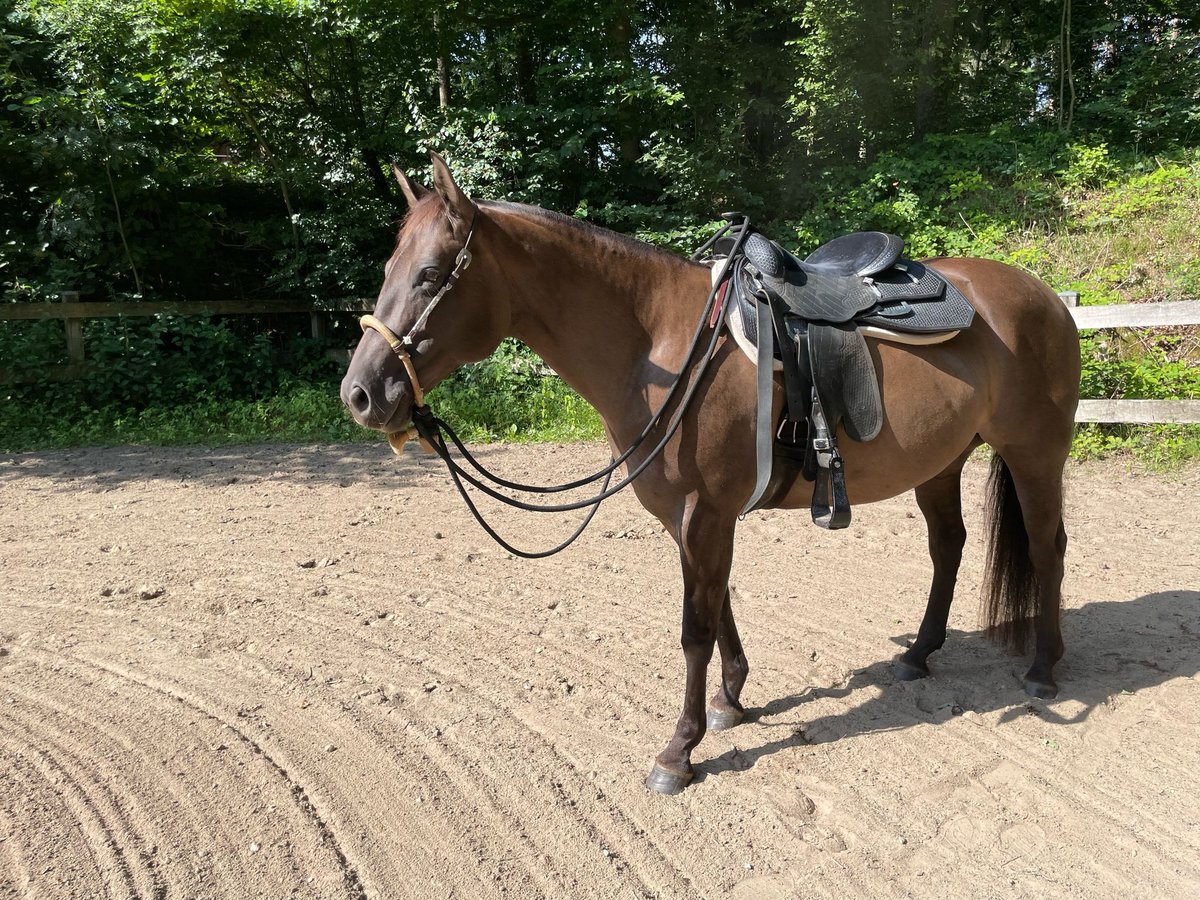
x,y
612,318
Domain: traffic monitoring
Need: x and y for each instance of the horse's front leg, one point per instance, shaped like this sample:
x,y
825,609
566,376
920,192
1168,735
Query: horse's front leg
x,y
706,552
724,707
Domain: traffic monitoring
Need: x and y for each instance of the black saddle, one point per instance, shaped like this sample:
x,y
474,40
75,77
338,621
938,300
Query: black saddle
x,y
885,290
863,253
809,313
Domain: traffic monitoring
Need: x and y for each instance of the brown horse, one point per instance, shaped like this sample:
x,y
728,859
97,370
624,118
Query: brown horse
x,y
614,317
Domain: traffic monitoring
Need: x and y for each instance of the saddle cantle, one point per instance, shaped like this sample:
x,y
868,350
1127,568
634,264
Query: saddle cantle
x,y
808,318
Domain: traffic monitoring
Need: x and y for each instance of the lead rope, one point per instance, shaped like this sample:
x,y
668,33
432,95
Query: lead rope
x,y
430,428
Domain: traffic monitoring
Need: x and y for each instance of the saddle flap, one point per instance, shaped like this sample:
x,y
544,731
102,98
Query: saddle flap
x,y
821,297
844,375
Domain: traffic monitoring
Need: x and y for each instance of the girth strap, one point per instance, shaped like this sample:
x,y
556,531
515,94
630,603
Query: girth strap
x,y
764,430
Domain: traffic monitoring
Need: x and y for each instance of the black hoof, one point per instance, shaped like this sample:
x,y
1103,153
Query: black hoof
x,y
909,671
1041,689
664,782
723,719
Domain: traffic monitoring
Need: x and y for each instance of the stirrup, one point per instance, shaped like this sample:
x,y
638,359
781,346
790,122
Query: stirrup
x,y
830,503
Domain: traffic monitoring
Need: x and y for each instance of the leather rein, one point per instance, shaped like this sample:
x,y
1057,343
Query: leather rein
x,y
432,431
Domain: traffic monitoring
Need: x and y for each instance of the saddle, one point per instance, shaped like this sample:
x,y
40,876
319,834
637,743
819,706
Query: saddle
x,y
809,318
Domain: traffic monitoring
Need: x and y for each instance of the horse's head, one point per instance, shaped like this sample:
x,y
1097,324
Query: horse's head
x,y
439,329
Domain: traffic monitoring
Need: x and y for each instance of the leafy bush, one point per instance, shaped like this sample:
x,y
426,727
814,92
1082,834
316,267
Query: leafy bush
x,y
163,361
513,396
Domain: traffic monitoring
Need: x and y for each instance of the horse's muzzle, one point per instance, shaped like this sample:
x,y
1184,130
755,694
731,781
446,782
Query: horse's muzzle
x,y
374,406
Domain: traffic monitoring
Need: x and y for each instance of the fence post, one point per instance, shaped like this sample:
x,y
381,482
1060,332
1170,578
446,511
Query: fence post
x,y
74,329
320,325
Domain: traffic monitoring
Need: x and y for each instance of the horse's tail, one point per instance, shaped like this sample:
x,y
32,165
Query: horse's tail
x,y
1010,589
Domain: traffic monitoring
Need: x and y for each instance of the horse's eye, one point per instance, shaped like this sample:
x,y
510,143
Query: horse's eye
x,y
431,276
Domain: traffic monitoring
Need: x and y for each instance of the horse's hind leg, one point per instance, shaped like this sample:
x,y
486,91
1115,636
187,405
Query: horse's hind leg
x,y
1035,477
940,500
724,708
1023,581
706,554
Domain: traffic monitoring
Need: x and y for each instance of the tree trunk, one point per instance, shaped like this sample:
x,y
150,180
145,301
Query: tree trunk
x,y
1066,79
620,45
443,67
877,86
937,43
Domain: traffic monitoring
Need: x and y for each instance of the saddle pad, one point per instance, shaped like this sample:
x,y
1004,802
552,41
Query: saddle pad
x,y
918,299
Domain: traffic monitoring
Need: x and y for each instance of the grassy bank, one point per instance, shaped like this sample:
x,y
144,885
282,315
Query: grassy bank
x,y
299,413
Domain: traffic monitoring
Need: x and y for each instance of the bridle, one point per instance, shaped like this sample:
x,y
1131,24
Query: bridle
x,y
430,429
400,346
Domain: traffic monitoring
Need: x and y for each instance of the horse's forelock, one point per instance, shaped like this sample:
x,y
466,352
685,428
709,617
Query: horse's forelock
x,y
428,209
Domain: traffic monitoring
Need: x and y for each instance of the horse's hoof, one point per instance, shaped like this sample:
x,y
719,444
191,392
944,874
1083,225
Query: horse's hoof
x,y
1041,689
909,671
664,782
723,719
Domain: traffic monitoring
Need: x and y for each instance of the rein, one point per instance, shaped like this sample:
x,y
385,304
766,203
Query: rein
x,y
432,431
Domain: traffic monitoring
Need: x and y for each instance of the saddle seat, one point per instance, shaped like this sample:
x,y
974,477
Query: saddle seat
x,y
862,253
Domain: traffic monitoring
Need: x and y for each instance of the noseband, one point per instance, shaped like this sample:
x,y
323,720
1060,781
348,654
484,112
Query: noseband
x,y
401,346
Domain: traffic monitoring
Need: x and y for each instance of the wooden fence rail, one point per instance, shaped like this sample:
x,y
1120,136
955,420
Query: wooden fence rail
x,y
73,313
1123,315
1137,315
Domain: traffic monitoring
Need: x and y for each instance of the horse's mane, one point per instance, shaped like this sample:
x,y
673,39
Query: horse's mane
x,y
431,207
618,242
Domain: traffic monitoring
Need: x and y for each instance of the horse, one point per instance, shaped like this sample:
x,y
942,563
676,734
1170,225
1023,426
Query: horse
x,y
613,317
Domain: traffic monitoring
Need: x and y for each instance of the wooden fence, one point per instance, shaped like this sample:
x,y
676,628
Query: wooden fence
x,y
72,313
1135,315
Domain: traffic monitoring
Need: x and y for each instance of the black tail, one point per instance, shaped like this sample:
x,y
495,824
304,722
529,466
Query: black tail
x,y
1010,588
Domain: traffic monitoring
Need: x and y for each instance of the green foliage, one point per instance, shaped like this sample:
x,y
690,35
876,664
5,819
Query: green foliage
x,y
178,149
1110,370
1158,446
512,396
295,412
163,361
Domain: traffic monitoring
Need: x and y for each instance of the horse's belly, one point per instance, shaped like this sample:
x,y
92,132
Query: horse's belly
x,y
934,406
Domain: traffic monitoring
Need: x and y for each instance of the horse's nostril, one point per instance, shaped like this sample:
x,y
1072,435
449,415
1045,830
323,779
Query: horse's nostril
x,y
359,400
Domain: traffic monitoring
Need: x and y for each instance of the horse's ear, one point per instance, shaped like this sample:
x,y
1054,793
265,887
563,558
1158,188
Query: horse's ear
x,y
412,191
458,204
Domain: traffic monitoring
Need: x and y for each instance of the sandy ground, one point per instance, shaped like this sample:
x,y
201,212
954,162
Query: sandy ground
x,y
303,671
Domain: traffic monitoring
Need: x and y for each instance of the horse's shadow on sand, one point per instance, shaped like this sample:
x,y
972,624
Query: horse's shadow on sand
x,y
1112,648
343,465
